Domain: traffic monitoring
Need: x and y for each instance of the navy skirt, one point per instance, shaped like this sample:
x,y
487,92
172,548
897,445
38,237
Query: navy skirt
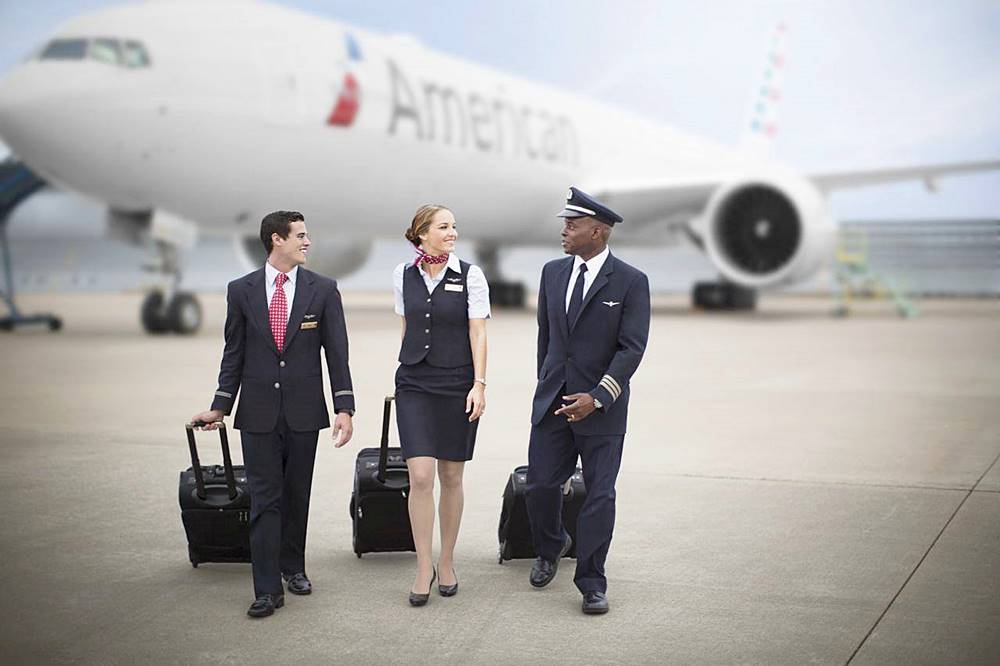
x,y
430,411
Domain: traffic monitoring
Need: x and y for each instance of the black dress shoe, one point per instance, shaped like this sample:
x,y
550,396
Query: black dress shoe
x,y
449,590
298,583
265,604
595,603
543,571
421,599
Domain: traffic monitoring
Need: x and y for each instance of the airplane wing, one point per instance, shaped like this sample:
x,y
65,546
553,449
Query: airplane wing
x,y
929,174
659,204
671,204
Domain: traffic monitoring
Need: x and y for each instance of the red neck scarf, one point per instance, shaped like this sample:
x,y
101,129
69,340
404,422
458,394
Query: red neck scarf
x,y
424,258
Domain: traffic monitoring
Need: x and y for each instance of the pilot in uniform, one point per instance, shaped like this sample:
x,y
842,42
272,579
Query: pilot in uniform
x,y
279,318
593,323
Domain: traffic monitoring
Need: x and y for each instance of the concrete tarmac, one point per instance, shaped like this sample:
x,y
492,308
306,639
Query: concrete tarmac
x,y
795,489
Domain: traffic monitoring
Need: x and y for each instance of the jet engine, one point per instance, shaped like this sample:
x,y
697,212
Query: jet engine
x,y
766,232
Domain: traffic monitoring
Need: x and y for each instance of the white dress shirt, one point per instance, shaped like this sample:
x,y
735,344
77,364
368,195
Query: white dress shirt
x,y
479,289
270,281
594,266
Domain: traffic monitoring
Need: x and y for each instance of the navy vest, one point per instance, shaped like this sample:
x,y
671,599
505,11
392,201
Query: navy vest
x,y
437,324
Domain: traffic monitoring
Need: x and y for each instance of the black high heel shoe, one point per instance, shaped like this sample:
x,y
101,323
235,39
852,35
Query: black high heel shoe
x,y
449,590
421,599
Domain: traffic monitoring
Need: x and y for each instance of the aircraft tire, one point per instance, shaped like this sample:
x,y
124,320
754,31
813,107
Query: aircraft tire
x,y
505,294
722,296
184,314
152,313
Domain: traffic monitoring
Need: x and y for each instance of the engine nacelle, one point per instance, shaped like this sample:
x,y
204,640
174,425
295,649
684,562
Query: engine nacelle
x,y
766,232
333,260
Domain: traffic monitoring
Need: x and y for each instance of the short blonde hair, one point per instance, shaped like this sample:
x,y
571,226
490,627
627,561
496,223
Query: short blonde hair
x,y
422,221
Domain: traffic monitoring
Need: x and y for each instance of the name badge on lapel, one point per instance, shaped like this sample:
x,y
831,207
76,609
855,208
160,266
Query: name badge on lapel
x,y
453,287
309,324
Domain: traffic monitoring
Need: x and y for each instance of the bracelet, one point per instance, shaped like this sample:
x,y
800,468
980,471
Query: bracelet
x,y
481,381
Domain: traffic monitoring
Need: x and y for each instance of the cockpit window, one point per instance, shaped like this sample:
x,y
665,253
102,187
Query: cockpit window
x,y
106,50
134,54
122,52
64,49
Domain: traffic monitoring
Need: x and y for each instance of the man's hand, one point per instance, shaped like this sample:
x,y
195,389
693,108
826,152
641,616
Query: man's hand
x,y
581,407
343,429
475,401
212,419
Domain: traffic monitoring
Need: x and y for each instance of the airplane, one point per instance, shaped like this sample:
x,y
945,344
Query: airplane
x,y
187,117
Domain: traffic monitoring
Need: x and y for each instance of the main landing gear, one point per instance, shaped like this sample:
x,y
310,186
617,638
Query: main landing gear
x,y
503,293
170,310
722,296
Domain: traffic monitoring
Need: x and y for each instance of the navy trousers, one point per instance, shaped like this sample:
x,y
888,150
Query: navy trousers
x,y
279,467
552,454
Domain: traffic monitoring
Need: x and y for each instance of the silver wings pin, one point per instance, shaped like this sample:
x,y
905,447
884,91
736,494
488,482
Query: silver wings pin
x,y
309,316
454,279
611,304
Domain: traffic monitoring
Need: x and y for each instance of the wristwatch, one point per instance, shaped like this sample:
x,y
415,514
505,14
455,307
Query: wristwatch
x,y
597,403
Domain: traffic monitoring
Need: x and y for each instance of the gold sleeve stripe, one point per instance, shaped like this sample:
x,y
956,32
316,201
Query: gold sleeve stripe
x,y
611,385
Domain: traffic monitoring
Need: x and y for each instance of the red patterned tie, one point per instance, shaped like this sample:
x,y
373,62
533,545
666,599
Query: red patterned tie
x,y
279,311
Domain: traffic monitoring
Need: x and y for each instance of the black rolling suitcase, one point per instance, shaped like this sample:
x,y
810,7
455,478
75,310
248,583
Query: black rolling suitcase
x,y
514,532
379,501
215,507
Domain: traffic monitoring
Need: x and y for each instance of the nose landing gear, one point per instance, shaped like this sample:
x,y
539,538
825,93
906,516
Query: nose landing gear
x,y
170,310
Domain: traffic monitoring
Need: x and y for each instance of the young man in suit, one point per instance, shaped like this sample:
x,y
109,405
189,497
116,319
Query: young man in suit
x,y
278,318
593,323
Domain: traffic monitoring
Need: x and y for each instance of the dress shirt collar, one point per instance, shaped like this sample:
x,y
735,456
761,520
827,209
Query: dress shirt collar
x,y
594,264
271,273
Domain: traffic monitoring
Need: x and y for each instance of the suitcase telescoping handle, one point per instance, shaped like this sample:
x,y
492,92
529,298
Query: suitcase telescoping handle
x,y
383,451
227,462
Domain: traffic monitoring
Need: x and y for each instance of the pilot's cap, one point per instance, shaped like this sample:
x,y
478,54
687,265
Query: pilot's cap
x,y
581,204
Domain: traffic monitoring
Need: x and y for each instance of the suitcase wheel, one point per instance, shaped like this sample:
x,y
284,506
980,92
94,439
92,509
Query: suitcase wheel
x,y
500,554
359,555
194,564
193,558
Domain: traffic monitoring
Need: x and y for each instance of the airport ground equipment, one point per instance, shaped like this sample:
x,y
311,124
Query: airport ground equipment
x,y
215,506
853,275
514,531
381,519
17,183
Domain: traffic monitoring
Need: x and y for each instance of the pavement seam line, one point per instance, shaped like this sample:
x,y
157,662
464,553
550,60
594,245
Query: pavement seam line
x,y
814,482
920,562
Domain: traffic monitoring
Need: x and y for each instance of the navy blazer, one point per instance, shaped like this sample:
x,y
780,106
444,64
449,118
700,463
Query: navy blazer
x,y
293,380
602,350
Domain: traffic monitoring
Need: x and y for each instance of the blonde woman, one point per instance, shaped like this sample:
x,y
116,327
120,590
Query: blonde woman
x,y
440,385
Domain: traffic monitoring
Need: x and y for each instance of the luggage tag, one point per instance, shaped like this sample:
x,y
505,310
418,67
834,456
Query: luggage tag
x,y
453,287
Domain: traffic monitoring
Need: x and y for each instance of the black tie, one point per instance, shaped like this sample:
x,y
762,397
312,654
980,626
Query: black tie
x,y
576,299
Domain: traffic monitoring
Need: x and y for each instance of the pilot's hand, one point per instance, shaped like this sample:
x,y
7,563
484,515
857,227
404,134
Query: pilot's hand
x,y
212,419
581,407
343,429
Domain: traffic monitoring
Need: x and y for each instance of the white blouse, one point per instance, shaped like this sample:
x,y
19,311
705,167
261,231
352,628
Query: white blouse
x,y
479,289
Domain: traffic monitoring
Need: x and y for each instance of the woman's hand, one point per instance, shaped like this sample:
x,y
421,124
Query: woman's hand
x,y
475,402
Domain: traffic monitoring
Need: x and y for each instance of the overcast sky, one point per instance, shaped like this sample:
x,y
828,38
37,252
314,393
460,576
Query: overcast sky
x,y
867,84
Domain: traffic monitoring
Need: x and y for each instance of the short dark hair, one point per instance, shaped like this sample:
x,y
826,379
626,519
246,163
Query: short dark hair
x,y
279,222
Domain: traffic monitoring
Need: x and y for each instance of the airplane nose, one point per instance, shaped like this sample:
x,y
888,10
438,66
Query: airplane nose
x,y
25,103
